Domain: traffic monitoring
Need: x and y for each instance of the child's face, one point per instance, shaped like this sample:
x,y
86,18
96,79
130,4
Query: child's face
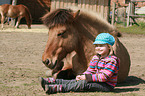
x,y
102,49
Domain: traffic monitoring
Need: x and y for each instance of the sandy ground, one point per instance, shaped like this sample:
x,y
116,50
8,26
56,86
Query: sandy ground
x,y
20,63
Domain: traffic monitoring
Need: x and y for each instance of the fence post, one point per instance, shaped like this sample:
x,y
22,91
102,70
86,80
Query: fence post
x,y
74,3
95,6
79,4
61,4
91,4
132,10
124,19
69,2
87,4
102,8
113,13
65,3
98,7
106,10
83,3
57,4
53,5
128,14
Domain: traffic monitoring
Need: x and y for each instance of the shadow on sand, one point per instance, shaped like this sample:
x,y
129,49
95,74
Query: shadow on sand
x,y
129,85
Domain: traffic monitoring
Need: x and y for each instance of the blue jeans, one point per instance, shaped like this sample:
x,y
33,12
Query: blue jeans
x,y
82,85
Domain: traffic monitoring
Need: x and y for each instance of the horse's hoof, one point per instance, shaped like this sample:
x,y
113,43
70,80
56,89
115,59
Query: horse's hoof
x,y
16,26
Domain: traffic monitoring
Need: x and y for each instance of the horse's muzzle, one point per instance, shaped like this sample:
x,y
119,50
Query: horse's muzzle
x,y
49,64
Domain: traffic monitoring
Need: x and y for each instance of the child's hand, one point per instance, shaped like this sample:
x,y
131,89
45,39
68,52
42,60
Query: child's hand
x,y
80,77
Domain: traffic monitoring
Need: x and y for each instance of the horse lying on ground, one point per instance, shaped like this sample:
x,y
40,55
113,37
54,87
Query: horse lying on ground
x,y
69,48
15,11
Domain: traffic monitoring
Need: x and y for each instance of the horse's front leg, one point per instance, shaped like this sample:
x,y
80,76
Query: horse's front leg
x,y
2,21
8,20
18,22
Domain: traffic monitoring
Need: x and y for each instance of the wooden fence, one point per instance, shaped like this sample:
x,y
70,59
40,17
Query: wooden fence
x,y
100,6
131,13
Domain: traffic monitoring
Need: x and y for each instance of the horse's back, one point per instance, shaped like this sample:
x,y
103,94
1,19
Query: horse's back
x,y
23,9
5,5
4,8
122,53
16,10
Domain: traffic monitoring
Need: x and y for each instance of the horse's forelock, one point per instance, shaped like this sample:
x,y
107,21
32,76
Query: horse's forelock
x,y
58,17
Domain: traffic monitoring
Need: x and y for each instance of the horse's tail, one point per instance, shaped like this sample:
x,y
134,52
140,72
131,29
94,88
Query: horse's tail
x,y
28,15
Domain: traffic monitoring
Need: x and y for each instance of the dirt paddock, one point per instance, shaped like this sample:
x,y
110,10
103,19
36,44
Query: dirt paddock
x,y
20,64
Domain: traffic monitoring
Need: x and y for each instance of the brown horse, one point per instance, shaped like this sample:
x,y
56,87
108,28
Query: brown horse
x,y
70,48
15,11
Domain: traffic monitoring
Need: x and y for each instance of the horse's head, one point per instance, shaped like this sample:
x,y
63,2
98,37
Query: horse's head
x,y
63,38
29,20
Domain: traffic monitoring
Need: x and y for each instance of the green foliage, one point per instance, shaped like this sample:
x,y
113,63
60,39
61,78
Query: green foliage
x,y
142,25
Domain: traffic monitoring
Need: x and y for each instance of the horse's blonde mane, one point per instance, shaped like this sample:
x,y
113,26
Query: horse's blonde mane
x,y
92,15
93,19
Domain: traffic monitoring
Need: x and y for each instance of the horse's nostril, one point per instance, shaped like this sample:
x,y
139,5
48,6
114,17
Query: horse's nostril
x,y
43,61
47,61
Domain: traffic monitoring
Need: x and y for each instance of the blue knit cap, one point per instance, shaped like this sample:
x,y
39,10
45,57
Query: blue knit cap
x,y
104,38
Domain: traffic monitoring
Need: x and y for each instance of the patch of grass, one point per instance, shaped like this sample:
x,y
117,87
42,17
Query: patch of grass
x,y
133,29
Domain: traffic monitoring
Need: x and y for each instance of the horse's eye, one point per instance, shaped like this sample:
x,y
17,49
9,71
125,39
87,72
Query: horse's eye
x,y
61,33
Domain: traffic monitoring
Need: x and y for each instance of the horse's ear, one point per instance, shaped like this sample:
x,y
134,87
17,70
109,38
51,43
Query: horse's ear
x,y
75,15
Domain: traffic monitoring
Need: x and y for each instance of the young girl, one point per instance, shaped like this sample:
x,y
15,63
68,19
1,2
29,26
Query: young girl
x,y
101,75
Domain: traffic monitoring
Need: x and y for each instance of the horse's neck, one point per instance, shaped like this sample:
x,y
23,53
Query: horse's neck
x,y
88,49
85,49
